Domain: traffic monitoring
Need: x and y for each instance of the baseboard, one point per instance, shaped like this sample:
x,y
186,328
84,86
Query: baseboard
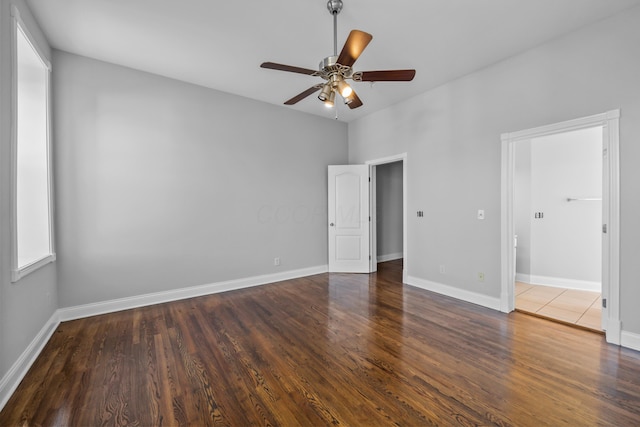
x,y
559,282
19,369
111,306
457,293
390,257
630,340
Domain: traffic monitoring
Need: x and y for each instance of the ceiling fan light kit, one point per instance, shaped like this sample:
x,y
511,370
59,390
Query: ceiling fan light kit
x,y
336,69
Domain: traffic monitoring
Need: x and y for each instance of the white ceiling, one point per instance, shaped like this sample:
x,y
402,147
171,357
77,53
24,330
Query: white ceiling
x,y
220,44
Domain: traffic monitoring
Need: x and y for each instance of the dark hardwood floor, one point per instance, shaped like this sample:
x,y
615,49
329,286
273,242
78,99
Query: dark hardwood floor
x,y
331,349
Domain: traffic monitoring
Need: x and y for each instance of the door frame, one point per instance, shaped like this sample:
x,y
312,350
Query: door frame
x,y
372,210
610,212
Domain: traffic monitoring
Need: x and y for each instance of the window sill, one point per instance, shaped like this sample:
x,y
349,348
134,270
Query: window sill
x,y
28,269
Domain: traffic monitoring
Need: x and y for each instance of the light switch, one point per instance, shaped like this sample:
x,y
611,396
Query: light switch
x,y
480,213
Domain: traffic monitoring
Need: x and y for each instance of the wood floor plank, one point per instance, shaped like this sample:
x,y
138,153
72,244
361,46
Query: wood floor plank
x,y
330,349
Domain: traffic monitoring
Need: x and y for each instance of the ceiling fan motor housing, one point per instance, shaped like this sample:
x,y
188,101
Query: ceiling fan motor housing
x,y
329,66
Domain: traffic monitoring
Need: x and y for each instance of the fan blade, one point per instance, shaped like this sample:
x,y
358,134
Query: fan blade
x,y
303,95
353,47
385,76
289,68
355,101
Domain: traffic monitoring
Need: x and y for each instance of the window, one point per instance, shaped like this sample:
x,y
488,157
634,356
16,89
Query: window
x,y
32,212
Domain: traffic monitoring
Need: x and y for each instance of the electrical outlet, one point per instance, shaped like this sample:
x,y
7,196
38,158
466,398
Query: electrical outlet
x,y
443,270
276,261
480,277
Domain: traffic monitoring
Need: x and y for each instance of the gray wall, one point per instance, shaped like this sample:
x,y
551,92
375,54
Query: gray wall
x,y
452,139
163,184
389,209
25,306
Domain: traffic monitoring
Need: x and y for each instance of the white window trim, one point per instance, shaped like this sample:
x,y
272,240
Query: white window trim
x,y
19,273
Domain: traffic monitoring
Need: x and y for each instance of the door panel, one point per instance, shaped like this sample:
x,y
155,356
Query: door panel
x,y
349,222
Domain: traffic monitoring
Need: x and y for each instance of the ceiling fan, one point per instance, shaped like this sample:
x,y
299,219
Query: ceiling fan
x,y
337,68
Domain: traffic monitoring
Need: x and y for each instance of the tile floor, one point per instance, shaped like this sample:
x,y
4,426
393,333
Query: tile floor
x,y
574,306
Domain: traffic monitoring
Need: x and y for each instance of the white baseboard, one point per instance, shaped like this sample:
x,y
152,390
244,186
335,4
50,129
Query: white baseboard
x,y
111,306
457,293
630,340
12,378
390,257
19,369
559,282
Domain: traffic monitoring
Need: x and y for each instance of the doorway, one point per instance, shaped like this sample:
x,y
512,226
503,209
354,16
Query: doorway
x,y
558,215
352,241
610,235
388,212
388,178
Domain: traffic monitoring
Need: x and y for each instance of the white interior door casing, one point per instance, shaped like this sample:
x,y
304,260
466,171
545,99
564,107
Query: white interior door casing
x,y
610,213
349,219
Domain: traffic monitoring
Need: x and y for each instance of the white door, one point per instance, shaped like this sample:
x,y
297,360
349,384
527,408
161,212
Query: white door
x,y
349,219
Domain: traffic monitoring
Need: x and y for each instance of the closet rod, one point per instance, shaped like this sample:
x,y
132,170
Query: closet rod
x,y
569,199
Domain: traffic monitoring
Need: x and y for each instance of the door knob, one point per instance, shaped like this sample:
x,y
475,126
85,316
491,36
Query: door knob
x,y
331,225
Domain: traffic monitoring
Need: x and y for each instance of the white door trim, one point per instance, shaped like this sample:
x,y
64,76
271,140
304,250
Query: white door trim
x,y
611,212
381,161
